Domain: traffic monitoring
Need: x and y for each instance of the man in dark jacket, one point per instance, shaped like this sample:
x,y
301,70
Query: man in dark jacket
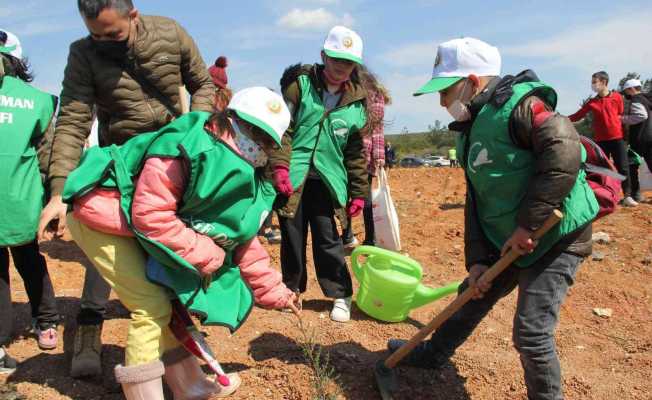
x,y
637,118
510,138
127,72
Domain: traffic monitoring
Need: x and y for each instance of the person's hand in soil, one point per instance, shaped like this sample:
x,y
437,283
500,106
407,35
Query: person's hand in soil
x,y
521,242
52,223
476,282
294,304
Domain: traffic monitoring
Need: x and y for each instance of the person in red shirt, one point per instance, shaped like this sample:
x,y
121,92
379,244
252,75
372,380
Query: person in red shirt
x,y
607,108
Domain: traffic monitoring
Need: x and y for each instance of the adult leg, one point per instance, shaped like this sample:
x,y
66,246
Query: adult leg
x,y
294,238
94,298
327,249
635,183
347,234
542,290
454,332
368,215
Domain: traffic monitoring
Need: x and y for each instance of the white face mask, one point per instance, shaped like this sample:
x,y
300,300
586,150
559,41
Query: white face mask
x,y
595,88
251,151
459,110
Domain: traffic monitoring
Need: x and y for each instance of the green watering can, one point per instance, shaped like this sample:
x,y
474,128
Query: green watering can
x,y
390,284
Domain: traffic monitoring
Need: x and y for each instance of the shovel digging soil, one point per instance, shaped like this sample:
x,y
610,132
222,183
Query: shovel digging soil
x,y
383,371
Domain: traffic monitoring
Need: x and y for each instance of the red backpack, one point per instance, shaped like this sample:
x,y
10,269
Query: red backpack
x,y
602,176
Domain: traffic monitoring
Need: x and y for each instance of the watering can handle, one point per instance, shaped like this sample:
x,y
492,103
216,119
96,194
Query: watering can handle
x,y
361,251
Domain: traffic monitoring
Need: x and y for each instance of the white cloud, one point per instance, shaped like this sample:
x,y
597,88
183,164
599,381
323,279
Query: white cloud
x,y
413,54
318,19
616,45
406,110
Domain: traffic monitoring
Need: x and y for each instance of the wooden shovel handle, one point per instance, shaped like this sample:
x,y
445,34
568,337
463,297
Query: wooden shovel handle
x,y
495,270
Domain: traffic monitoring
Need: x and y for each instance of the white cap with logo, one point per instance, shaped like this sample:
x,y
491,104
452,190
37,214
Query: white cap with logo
x,y
263,108
11,46
632,83
459,58
344,43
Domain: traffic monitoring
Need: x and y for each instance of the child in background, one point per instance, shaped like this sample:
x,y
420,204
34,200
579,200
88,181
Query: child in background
x,y
323,160
374,148
25,121
607,108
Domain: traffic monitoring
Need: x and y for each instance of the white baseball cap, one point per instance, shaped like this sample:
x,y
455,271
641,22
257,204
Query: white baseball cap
x,y
632,83
344,43
264,108
11,46
459,58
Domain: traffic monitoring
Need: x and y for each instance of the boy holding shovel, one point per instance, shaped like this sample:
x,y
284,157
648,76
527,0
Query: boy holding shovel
x,y
510,138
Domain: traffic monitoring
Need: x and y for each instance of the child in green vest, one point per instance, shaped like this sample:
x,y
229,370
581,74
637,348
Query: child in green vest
x,y
199,197
321,171
522,161
25,116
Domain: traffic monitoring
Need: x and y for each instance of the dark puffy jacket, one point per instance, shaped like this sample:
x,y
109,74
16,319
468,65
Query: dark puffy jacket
x,y
163,54
557,149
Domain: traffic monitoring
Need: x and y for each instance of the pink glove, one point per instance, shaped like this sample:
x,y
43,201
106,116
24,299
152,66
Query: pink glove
x,y
355,207
282,181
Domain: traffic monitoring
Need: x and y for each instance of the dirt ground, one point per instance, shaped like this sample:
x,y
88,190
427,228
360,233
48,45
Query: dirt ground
x,y
602,358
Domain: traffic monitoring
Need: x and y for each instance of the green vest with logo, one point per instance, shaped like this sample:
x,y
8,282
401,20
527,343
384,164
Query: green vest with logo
x,y
500,172
226,198
25,114
320,138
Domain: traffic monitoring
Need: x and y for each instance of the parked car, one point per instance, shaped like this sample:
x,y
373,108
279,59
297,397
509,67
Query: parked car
x,y
411,162
437,161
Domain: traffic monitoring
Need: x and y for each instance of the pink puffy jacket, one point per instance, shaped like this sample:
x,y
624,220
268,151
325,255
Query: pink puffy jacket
x,y
159,189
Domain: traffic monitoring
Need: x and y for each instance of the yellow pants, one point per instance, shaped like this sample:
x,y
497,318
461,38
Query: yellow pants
x,y
121,262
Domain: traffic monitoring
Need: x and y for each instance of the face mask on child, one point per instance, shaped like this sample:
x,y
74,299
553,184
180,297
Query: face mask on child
x,y
251,151
459,110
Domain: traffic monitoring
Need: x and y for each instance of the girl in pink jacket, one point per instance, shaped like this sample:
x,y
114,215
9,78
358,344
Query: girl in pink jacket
x,y
252,125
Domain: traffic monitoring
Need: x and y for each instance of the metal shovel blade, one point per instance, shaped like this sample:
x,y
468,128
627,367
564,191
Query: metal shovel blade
x,y
385,380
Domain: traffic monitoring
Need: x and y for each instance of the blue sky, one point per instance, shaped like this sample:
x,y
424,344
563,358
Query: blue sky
x,y
563,41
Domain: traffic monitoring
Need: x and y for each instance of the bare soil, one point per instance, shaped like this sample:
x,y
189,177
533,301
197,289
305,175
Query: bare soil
x,y
602,358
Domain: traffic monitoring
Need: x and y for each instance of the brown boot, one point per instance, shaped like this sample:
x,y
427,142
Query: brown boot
x,y
86,359
141,382
187,381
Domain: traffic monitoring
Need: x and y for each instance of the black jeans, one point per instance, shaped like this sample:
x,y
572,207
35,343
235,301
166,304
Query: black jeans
x,y
644,149
94,298
542,289
368,215
617,150
315,210
32,268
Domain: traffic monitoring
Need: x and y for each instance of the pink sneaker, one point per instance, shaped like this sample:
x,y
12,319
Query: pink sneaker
x,y
47,339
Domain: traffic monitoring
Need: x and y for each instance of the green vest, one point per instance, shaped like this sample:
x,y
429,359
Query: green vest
x,y
320,138
25,114
500,172
225,199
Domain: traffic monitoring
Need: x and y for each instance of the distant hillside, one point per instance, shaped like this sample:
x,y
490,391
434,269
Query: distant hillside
x,y
433,142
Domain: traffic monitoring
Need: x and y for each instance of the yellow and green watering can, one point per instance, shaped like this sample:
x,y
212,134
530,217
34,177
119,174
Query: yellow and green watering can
x,y
390,284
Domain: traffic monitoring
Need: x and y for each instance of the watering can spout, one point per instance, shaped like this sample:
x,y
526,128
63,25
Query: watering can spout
x,y
425,295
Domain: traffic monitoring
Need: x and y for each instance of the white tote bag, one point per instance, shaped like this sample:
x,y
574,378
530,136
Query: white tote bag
x,y
385,217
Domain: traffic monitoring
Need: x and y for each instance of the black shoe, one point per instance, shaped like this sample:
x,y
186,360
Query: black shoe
x,y
422,356
7,364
